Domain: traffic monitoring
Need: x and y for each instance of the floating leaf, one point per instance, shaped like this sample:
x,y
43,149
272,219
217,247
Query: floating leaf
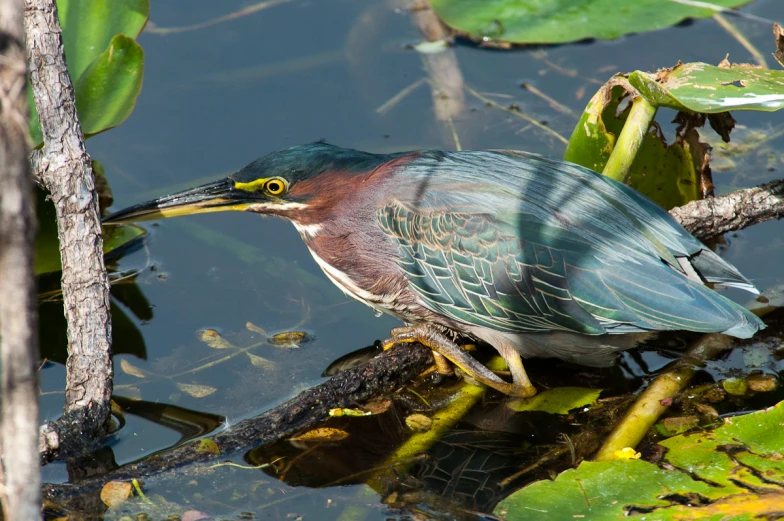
x,y
195,390
735,386
338,412
289,339
556,21
734,472
213,339
209,446
668,174
129,368
116,493
419,422
700,87
762,383
321,434
262,362
556,401
250,326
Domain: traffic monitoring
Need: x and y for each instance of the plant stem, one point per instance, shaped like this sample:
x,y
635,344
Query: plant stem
x,y
630,140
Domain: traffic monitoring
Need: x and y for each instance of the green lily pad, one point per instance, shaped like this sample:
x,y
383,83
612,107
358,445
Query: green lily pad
x,y
559,400
699,87
668,174
560,21
734,472
89,31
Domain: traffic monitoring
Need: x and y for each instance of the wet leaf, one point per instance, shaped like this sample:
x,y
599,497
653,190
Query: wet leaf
x,y
338,412
717,470
322,434
735,386
130,369
700,87
195,390
209,446
116,493
261,362
289,339
762,383
213,339
250,326
419,422
378,405
556,401
676,425
668,174
556,21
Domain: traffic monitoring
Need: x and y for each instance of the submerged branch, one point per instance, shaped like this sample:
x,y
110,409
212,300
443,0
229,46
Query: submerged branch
x,y
382,374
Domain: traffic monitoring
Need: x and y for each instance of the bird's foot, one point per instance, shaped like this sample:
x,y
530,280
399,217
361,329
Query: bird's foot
x,y
445,349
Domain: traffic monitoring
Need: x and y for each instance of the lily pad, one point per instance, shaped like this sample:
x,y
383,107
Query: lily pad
x,y
700,87
90,28
559,400
733,472
668,174
560,21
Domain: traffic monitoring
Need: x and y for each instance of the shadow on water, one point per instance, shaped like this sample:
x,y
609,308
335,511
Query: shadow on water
x,y
208,109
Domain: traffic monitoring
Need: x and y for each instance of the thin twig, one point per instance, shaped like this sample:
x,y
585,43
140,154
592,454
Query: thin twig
x,y
518,114
215,21
555,105
741,39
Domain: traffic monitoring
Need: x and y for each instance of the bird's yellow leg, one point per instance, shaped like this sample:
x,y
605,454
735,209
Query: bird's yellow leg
x,y
443,365
440,344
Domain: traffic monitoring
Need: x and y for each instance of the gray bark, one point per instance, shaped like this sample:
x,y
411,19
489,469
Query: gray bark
x,y
737,210
65,170
18,309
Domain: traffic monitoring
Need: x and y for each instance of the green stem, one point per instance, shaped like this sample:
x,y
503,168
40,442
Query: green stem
x,y
648,407
463,400
630,140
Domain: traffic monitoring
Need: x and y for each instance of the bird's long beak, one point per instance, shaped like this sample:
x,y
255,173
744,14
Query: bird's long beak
x,y
219,196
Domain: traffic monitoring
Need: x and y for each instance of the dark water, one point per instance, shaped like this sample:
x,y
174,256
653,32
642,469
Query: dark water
x,y
214,99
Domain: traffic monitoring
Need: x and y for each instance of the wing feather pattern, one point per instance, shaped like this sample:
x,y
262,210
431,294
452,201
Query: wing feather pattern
x,y
521,244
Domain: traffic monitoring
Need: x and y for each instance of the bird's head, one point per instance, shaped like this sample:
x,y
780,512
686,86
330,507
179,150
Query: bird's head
x,y
289,183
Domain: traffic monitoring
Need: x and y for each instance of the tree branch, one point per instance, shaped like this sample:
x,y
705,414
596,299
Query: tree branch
x,y
18,308
740,209
65,169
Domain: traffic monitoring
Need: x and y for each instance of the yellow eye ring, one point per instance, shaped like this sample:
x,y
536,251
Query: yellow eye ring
x,y
276,186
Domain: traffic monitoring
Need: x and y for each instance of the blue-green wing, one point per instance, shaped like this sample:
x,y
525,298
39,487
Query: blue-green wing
x,y
520,261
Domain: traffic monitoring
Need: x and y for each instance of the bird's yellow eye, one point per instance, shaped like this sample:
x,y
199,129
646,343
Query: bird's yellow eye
x,y
276,186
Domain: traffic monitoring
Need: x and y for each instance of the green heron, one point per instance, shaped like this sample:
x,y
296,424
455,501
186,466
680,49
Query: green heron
x,y
536,257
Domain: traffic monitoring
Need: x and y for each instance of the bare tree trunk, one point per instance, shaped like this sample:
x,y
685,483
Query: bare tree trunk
x,y
18,327
65,169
